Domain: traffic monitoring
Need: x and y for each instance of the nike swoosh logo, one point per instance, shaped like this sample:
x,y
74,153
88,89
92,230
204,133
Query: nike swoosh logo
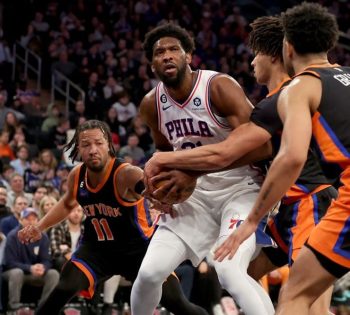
x,y
166,107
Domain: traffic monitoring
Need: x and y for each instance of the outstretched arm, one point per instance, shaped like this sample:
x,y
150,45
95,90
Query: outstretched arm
x,y
213,157
294,108
57,214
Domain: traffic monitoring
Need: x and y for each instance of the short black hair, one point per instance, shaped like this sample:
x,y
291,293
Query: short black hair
x,y
168,30
267,35
88,125
310,28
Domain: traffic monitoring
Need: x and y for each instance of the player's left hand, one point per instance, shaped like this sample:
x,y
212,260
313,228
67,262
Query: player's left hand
x,y
178,186
232,243
29,234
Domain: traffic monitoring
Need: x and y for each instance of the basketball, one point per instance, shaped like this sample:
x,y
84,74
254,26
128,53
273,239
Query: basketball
x,y
175,197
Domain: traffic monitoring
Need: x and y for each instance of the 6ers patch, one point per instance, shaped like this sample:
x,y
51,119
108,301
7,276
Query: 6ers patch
x,y
163,98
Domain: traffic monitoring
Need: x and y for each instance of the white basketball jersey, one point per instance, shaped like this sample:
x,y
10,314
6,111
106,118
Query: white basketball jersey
x,y
193,123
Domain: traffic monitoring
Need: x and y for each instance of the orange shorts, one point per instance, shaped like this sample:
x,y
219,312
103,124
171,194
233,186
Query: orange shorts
x,y
331,237
291,227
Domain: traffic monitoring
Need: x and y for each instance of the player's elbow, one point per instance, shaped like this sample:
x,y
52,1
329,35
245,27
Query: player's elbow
x,y
294,160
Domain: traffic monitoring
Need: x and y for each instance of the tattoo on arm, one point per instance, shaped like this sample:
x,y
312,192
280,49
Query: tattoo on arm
x,y
264,197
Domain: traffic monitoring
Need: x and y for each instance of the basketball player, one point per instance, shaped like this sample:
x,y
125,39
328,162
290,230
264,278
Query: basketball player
x,y
307,201
117,227
316,103
188,109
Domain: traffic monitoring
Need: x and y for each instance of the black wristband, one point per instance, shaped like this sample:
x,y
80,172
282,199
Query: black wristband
x,y
139,187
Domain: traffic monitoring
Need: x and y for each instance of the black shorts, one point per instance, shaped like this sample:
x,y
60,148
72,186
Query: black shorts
x,y
291,227
98,264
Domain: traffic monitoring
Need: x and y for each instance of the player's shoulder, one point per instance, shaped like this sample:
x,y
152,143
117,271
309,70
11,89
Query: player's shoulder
x,y
149,98
221,80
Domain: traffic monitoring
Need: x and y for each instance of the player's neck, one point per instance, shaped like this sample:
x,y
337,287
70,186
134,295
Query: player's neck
x,y
278,75
304,61
183,91
94,178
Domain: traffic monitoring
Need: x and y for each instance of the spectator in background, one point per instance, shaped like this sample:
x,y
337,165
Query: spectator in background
x,y
51,120
62,172
6,172
6,152
114,124
64,238
58,137
46,204
33,175
39,194
5,59
5,211
4,110
94,96
111,88
17,189
11,124
11,221
28,263
133,151
142,131
79,111
64,66
125,108
48,164
21,163
40,26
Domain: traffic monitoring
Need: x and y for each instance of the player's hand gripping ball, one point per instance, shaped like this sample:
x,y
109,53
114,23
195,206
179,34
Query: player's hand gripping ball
x,y
178,188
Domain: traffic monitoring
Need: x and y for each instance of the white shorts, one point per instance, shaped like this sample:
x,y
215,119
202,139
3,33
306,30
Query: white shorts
x,y
209,215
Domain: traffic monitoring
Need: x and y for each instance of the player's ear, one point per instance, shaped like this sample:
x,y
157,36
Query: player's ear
x,y
288,47
188,58
153,69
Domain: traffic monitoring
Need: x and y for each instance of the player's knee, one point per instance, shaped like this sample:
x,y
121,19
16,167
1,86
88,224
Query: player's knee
x,y
149,277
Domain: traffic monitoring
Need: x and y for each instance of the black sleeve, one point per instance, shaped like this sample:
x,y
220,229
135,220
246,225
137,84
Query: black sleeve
x,y
265,115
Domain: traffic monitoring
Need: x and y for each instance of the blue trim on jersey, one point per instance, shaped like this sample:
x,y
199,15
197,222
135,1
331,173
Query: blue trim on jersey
x,y
294,218
303,188
87,267
334,137
315,210
148,213
138,224
337,247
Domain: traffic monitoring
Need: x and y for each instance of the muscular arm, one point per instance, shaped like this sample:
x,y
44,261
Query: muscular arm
x,y
148,112
128,177
232,152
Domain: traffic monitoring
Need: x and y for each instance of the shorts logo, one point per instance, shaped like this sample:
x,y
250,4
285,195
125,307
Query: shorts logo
x,y
197,101
235,221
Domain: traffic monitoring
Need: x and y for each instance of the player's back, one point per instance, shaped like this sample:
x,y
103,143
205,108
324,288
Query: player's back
x,y
330,124
194,123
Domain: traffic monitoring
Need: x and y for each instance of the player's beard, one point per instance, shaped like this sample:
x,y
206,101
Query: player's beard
x,y
174,82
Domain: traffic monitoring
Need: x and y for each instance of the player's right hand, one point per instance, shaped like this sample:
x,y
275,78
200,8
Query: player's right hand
x,y
29,234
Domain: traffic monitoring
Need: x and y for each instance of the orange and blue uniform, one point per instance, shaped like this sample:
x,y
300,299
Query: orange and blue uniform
x,y
330,240
116,232
306,201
